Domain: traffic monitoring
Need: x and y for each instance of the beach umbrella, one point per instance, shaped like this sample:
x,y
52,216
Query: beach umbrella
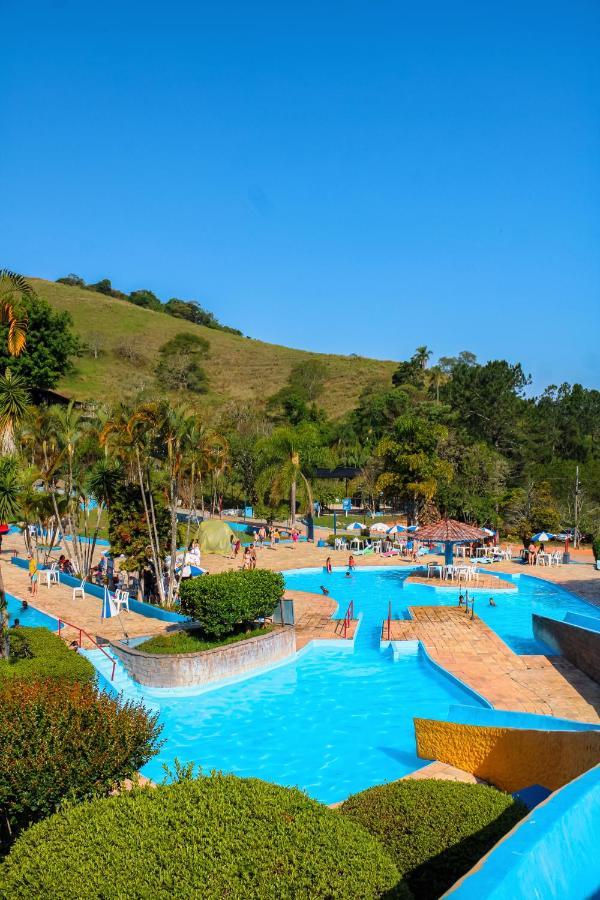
x,y
355,526
397,528
542,536
489,532
196,570
109,608
413,528
379,526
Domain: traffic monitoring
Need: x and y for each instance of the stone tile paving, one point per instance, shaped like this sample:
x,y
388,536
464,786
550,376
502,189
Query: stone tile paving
x,y
472,652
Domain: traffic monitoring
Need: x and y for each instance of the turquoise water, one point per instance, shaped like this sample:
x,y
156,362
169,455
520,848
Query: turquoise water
x,y
333,721
31,617
510,618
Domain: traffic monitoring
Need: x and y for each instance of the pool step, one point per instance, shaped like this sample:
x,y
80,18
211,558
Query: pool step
x,y
122,683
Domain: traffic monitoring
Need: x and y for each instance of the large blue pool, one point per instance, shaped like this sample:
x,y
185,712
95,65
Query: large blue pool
x,y
335,721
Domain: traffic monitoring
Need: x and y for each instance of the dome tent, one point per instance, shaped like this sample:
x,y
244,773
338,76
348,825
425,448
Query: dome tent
x,y
214,536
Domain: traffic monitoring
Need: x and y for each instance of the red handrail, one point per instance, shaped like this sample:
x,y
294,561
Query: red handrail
x,y
389,621
348,617
93,640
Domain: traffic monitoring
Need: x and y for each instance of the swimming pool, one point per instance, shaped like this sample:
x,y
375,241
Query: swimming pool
x,y
31,617
510,618
334,720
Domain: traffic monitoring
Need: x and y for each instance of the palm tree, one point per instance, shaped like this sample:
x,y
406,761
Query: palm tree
x,y
13,407
289,454
9,506
421,356
14,289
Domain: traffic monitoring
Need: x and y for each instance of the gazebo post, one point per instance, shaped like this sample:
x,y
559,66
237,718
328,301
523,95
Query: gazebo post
x,y
448,552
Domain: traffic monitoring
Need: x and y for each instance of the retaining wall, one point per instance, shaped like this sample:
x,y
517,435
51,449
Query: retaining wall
x,y
552,853
580,645
187,669
510,758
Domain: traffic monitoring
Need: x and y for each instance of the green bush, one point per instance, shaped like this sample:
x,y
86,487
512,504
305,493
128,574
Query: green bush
x,y
596,547
221,603
212,838
435,830
194,641
41,654
62,740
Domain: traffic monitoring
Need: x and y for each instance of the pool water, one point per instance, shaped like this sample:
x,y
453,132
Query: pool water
x,y
330,721
30,617
510,618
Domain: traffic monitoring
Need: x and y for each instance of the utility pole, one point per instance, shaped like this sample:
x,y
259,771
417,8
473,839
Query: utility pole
x,y
577,493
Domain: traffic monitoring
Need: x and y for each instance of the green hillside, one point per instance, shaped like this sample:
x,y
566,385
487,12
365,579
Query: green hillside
x,y
124,341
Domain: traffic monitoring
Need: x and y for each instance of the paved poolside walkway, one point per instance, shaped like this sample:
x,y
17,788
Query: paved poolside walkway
x,y
58,601
474,653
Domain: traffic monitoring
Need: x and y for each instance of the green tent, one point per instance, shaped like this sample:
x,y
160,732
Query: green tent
x,y
215,536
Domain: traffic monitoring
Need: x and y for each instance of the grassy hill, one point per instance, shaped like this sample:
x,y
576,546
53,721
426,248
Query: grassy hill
x,y
127,338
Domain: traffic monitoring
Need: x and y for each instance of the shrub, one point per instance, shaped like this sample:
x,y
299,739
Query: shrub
x,y
435,830
37,653
60,740
213,837
596,547
220,603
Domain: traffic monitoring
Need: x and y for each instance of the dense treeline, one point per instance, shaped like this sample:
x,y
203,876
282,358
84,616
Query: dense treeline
x,y
190,310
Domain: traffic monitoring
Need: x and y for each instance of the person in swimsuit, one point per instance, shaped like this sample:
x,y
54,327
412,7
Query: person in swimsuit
x,y
33,575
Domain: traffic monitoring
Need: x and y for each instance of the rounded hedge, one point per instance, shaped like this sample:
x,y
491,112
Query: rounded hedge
x,y
435,830
213,837
220,603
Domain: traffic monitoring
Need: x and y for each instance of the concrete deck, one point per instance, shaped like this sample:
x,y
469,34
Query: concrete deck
x,y
473,653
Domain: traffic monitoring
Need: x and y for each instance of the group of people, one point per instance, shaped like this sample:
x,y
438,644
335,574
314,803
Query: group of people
x,y
533,553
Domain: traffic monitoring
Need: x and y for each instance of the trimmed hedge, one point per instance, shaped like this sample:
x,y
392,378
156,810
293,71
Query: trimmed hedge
x,y
40,654
221,603
213,837
61,739
435,830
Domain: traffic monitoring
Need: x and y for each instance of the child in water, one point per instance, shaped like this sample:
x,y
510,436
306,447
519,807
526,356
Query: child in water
x,y
492,601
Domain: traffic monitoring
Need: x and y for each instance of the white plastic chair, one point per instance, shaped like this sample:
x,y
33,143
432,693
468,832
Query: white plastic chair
x,y
121,600
79,592
52,575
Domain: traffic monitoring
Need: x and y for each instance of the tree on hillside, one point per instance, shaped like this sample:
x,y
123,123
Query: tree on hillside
x,y
50,346
179,367
146,299
14,290
412,463
488,401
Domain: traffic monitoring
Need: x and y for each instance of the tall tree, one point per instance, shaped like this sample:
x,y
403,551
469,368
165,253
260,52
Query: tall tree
x,y
9,507
13,406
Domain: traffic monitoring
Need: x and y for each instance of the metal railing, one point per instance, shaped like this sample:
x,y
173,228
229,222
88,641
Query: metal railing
x,y
348,618
389,621
82,631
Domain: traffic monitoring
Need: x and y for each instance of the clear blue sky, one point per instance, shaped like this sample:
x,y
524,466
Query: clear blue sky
x,y
356,177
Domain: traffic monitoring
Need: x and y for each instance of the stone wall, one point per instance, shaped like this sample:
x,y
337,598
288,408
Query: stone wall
x,y
578,645
187,669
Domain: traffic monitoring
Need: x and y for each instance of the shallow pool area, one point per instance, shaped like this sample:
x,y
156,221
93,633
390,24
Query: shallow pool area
x,y
31,617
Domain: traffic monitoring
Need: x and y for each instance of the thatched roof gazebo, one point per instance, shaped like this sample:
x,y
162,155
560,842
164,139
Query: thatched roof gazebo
x,y
450,532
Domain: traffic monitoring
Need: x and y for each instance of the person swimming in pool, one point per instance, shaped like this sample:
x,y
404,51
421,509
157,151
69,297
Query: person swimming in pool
x,y
324,591
492,601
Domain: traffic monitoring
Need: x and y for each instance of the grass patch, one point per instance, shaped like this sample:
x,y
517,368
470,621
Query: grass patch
x,y
235,364
193,642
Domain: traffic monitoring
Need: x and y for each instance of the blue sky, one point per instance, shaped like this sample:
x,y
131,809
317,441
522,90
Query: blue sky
x,y
343,177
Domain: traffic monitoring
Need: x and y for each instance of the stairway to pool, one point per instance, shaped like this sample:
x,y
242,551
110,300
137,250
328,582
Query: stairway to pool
x,y
122,683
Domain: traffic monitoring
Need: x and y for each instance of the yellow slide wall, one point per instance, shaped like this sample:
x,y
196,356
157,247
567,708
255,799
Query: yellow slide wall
x,y
510,758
